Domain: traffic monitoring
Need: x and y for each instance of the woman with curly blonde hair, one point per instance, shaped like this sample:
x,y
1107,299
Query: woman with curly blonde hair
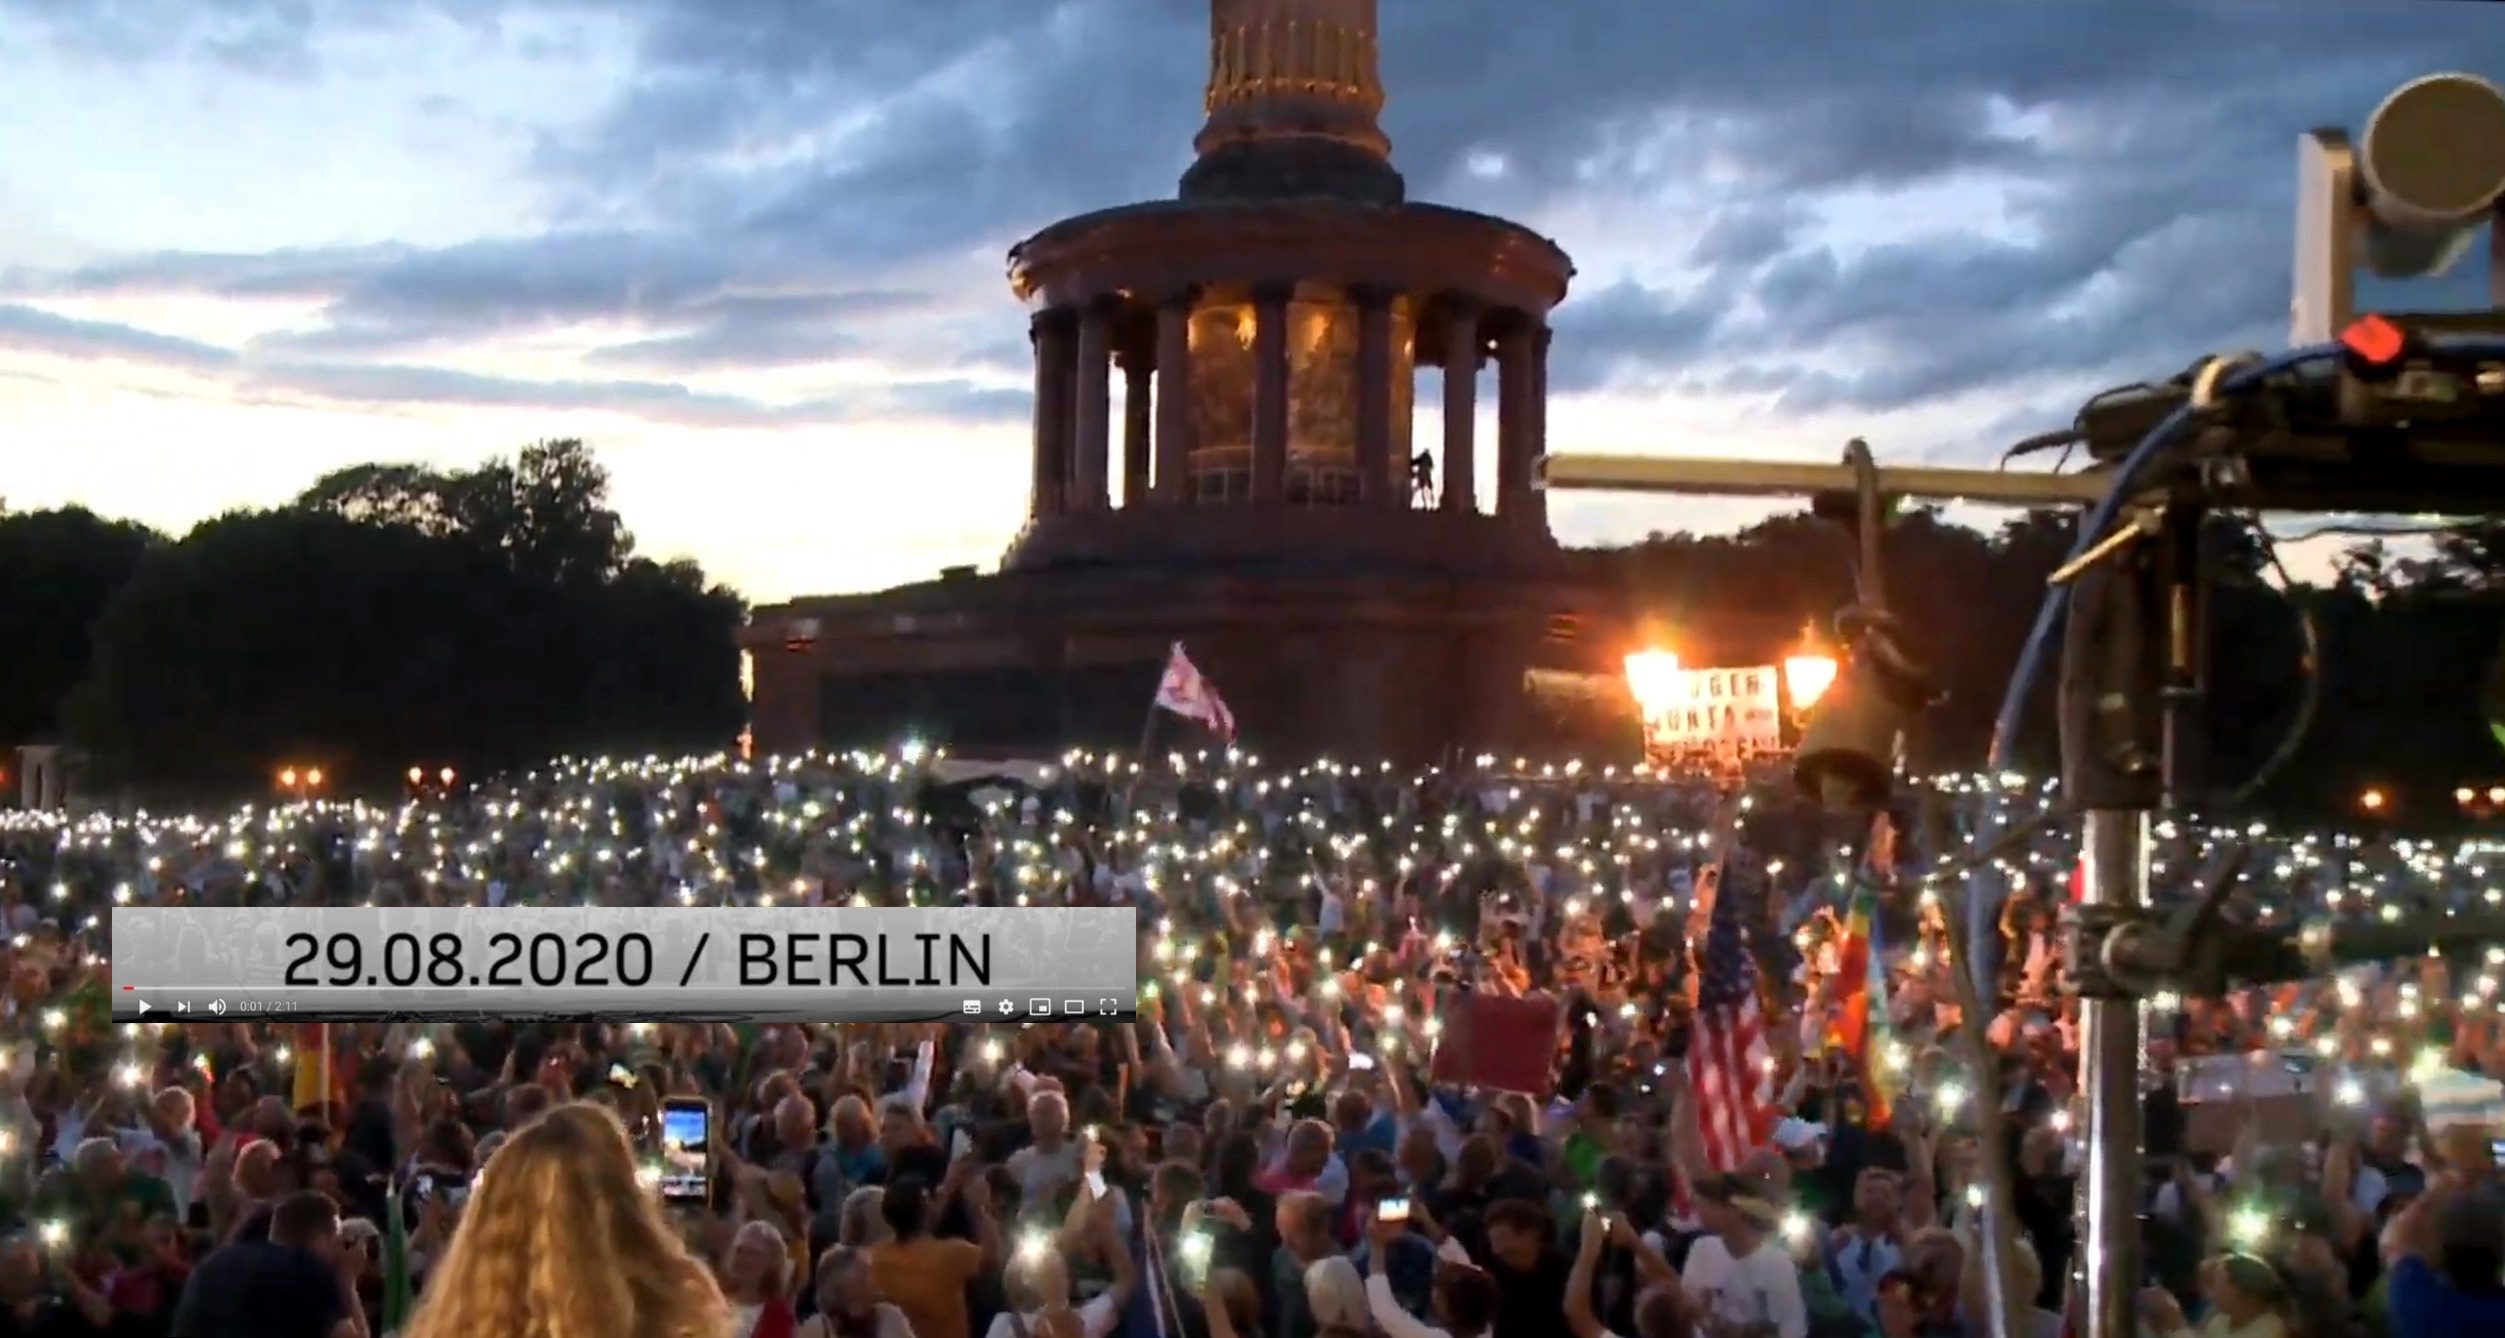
x,y
560,1240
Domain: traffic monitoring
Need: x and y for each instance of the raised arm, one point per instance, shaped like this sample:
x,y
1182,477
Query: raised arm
x,y
1580,1321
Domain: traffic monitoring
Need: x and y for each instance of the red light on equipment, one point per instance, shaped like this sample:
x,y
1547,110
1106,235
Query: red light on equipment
x,y
2374,340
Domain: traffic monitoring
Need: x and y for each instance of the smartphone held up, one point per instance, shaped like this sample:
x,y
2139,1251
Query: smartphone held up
x,y
686,1149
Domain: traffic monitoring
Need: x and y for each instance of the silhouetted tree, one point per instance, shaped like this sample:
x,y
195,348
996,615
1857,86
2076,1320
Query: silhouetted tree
x,y
58,569
546,512
486,620
429,501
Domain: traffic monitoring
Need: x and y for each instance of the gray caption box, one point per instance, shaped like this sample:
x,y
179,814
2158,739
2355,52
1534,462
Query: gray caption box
x,y
835,964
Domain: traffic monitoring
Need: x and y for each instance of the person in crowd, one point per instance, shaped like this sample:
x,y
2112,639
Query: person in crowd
x,y
1661,1309
1306,1238
105,1203
1297,1115
1040,1285
1871,1246
2247,1299
924,1275
40,1298
756,1281
1177,1252
297,1283
2446,1253
1740,1273
2026,1278
847,1299
144,1291
560,1237
1527,1267
1049,1162
845,1162
1462,1305
1333,1297
1901,1306
863,1221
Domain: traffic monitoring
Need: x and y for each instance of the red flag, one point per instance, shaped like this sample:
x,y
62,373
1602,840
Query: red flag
x,y
1493,1041
1187,694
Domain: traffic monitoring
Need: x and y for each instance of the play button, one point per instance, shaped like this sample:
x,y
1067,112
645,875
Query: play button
x,y
143,1007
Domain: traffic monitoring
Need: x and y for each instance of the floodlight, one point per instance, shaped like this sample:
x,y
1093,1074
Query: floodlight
x,y
2405,200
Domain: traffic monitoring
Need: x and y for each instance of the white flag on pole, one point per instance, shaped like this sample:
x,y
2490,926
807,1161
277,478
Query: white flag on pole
x,y
1187,694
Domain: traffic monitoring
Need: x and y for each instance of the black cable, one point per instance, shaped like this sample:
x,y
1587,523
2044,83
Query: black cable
x,y
2308,705
2044,441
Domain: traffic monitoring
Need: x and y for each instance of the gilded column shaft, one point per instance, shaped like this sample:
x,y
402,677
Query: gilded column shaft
x,y
1174,399
1269,408
1376,485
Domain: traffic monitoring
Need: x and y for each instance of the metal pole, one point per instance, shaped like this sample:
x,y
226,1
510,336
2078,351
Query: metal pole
x,y
2116,850
1715,475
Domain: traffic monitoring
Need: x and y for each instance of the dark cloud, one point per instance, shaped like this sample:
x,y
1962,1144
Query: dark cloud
x,y
749,332
657,401
25,329
1602,335
1745,235
2136,154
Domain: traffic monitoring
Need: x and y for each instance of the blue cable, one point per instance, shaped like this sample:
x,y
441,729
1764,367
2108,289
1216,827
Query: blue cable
x,y
2048,616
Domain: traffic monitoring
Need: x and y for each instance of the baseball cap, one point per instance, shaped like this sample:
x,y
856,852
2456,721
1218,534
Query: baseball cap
x,y
1794,1135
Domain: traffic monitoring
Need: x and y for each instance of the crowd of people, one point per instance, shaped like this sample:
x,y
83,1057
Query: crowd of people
x,y
1755,1121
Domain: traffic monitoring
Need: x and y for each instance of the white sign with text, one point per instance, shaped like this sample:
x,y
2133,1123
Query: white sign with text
x,y
1722,710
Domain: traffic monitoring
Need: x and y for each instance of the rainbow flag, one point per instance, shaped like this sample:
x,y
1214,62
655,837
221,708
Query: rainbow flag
x,y
1861,1028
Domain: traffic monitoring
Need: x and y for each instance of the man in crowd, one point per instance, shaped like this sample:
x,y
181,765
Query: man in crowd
x,y
299,1283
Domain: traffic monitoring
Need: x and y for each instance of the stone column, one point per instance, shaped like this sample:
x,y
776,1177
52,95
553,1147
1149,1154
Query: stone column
x,y
1135,405
1091,425
1054,333
1515,420
1269,406
1535,509
1174,399
1458,487
1379,488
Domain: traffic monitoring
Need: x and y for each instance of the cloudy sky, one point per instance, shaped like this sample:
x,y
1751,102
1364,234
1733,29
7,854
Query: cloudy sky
x,y
753,249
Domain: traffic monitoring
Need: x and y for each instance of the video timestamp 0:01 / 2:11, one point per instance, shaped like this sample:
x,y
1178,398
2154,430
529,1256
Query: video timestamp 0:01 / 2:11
x,y
444,961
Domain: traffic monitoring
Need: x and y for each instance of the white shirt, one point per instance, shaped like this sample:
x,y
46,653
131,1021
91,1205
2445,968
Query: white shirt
x,y
176,1163
1391,1319
1040,1173
1097,1319
1858,1269
1760,1289
891,1323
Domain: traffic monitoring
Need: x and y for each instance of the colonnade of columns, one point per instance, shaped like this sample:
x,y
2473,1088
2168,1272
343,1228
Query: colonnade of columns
x,y
1077,349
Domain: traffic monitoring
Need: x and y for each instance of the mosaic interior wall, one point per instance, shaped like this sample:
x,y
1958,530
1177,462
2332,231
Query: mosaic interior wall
x,y
1322,398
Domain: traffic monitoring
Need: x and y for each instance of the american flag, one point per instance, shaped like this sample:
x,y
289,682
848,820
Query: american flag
x,y
1187,694
1727,1059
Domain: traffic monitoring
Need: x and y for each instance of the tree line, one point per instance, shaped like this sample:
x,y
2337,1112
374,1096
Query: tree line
x,y
2394,693
485,619
390,616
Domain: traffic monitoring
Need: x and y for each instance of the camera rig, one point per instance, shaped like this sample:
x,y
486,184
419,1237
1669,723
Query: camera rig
x,y
2398,414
